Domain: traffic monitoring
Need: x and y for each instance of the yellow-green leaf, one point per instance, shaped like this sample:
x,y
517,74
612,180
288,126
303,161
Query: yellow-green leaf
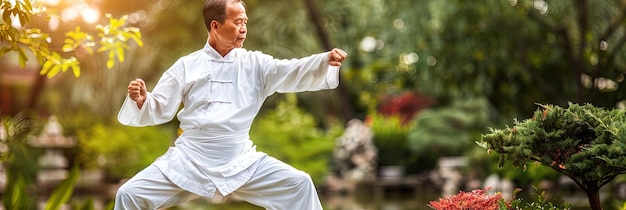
x,y
68,47
110,63
46,67
120,54
76,71
54,71
64,67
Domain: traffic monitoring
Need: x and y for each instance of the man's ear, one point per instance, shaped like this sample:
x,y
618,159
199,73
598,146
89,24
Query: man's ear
x,y
214,24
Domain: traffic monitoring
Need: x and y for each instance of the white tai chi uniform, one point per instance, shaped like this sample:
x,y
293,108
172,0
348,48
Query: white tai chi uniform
x,y
221,97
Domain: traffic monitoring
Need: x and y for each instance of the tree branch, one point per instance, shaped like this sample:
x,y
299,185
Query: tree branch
x,y
321,34
583,25
613,54
317,22
617,21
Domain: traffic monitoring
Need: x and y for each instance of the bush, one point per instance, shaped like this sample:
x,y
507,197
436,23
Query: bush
x,y
476,199
584,142
479,199
120,150
290,134
390,138
446,131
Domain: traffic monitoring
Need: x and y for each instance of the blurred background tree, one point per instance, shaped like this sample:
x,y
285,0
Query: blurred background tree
x,y
515,53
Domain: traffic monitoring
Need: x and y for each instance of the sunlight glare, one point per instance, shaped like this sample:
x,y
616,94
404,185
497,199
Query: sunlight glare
x,y
368,44
604,45
54,22
398,24
69,14
409,59
52,2
541,6
90,15
431,60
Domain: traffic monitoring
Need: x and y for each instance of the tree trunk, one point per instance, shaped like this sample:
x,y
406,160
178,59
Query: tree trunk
x,y
36,89
347,106
593,193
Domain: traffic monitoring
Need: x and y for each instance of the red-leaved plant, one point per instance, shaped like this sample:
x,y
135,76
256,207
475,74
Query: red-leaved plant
x,y
476,199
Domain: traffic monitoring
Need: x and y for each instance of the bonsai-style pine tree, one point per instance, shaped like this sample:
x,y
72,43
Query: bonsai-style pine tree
x,y
583,142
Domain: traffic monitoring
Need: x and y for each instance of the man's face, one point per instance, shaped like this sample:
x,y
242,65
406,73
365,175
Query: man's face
x,y
232,33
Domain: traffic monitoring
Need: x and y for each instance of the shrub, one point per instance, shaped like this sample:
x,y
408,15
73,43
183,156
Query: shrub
x,y
391,139
476,199
479,199
290,134
120,150
584,142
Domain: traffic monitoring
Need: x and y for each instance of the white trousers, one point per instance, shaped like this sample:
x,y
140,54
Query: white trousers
x,y
275,185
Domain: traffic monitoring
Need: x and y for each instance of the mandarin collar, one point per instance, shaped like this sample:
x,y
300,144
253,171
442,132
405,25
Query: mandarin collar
x,y
215,56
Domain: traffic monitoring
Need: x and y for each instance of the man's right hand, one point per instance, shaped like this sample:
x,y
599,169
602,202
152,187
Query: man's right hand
x,y
137,91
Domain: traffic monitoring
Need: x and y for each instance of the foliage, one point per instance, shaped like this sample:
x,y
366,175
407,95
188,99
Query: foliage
x,y
122,151
291,135
531,174
479,199
390,138
476,199
114,38
561,50
63,192
446,131
292,37
542,203
406,105
583,142
580,41
392,123
20,162
22,168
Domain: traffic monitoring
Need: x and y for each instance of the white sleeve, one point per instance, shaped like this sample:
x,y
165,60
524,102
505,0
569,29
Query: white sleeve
x,y
310,73
161,104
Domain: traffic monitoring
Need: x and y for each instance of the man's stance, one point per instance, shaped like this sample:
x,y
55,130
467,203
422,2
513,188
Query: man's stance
x,y
222,88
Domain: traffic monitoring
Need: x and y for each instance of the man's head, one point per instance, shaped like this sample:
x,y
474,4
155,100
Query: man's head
x,y
226,22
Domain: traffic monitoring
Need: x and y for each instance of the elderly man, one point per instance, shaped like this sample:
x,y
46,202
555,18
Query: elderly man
x,y
222,88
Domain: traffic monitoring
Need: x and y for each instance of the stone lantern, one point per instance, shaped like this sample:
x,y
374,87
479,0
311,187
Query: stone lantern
x,y
54,166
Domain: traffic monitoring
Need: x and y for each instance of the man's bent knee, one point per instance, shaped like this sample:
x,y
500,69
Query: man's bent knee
x,y
302,180
128,197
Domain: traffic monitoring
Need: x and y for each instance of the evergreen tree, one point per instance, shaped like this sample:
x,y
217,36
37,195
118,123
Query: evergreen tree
x,y
583,142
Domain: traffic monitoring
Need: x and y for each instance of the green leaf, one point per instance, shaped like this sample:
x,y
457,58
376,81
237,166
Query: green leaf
x,y
63,192
89,205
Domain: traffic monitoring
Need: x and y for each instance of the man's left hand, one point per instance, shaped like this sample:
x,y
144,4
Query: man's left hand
x,y
336,56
